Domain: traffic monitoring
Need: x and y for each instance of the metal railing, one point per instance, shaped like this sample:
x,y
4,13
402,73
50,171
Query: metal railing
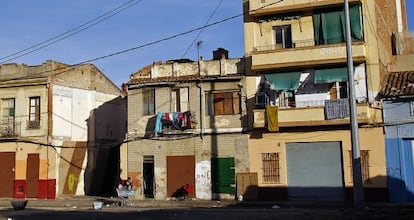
x,y
9,128
295,44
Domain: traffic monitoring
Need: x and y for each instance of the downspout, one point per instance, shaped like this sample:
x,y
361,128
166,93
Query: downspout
x,y
201,90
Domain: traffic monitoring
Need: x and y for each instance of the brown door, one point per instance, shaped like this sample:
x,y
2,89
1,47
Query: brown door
x,y
7,164
180,171
32,175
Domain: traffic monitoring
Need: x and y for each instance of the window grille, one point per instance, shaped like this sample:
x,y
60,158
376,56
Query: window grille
x,y
364,155
271,168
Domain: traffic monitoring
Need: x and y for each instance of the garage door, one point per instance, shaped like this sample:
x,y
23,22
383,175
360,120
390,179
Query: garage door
x,y
314,171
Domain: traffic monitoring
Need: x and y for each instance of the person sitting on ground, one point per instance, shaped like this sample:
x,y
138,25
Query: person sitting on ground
x,y
128,184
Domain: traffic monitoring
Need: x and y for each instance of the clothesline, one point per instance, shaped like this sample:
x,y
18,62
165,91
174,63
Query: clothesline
x,y
172,120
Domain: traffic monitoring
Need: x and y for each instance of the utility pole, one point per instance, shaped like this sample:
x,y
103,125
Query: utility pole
x,y
358,189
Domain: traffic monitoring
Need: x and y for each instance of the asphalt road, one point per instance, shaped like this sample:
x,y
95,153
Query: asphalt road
x,y
122,213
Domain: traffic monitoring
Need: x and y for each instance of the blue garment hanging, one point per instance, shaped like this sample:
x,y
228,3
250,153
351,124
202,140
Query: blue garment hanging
x,y
158,122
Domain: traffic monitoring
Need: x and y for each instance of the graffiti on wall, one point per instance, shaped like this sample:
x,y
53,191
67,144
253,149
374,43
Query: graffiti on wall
x,y
203,180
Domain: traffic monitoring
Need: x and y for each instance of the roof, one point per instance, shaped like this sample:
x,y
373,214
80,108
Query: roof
x,y
181,79
398,84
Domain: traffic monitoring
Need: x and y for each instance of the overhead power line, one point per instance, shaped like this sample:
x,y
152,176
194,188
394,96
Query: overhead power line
x,y
70,32
66,68
199,33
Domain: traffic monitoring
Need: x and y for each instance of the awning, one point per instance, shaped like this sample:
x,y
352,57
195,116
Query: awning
x,y
284,81
331,75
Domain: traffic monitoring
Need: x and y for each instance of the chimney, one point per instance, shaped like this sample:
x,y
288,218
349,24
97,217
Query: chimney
x,y
220,53
124,88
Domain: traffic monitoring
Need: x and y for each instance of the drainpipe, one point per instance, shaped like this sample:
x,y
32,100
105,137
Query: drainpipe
x,y
201,89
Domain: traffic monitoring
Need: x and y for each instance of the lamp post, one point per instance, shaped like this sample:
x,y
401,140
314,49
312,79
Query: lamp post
x,y
358,190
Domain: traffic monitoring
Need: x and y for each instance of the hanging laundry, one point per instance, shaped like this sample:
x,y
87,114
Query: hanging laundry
x,y
158,123
272,120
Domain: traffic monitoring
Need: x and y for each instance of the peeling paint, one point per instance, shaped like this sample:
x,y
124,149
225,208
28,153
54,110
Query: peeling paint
x,y
203,180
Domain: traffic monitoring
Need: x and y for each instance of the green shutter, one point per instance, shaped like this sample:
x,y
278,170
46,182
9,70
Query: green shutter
x,y
11,111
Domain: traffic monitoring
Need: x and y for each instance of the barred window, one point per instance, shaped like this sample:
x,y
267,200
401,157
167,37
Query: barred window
x,y
364,165
271,168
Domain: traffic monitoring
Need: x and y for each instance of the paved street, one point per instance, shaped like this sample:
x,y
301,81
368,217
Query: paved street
x,y
202,210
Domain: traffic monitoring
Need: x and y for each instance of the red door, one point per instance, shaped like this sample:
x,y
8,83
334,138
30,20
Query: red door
x,y
32,175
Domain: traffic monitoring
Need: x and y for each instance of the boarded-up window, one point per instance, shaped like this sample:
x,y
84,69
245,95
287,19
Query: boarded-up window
x,y
223,103
364,165
271,168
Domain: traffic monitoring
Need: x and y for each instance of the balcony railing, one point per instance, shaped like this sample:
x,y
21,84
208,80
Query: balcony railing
x,y
174,122
295,44
33,124
9,129
322,112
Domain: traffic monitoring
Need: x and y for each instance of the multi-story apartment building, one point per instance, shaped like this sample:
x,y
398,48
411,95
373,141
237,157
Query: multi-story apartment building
x,y
43,136
185,126
300,146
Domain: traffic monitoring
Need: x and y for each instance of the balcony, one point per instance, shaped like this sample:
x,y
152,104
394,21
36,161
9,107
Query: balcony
x,y
174,122
265,7
9,129
304,53
33,124
318,115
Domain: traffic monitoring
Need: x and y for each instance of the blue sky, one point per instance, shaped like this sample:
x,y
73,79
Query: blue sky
x,y
26,23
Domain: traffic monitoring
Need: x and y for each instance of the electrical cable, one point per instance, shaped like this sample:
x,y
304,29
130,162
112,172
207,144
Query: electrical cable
x,y
70,32
199,33
70,67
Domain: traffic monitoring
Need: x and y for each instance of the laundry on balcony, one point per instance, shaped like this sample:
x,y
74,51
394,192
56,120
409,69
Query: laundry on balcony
x,y
336,109
172,121
272,118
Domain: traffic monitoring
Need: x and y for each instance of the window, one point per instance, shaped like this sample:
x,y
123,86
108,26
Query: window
x,y
364,165
283,36
179,100
271,169
148,102
34,112
223,103
329,25
8,109
7,116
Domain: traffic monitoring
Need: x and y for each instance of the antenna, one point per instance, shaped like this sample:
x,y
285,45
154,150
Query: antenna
x,y
198,45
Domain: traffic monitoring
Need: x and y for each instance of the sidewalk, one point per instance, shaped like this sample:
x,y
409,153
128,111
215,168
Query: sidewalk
x,y
87,202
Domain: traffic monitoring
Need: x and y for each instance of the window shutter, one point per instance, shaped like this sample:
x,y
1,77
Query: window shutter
x,y
236,103
219,104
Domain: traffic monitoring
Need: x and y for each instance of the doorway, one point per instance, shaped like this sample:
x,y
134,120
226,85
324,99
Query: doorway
x,y
148,173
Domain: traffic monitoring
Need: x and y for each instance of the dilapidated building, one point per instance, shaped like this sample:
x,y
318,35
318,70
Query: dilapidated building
x,y
186,125
43,127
